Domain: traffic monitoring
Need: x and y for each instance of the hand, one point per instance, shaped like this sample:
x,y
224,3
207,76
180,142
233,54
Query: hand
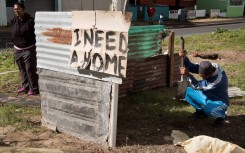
x,y
184,71
182,53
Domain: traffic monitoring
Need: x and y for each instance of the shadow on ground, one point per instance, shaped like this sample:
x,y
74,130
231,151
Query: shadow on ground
x,y
152,123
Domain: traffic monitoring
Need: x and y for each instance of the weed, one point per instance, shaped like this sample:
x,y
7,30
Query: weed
x,y
9,82
223,40
236,74
7,61
220,30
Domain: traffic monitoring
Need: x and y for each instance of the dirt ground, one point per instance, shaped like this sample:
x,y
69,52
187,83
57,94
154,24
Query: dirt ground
x,y
144,135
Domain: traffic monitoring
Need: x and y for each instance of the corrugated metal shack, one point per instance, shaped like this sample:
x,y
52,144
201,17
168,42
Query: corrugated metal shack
x,y
81,104
75,103
147,67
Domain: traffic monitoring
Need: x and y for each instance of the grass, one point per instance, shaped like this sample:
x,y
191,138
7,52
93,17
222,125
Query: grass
x,y
7,61
16,116
219,40
9,82
8,85
20,117
155,102
236,110
236,74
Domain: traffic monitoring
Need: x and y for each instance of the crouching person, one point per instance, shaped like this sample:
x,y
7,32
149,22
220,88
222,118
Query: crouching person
x,y
208,96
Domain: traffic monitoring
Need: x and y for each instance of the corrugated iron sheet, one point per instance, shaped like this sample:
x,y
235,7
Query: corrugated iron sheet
x,y
149,73
52,57
145,74
144,41
146,68
56,27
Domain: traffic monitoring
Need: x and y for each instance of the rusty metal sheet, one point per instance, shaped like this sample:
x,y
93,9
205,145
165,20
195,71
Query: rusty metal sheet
x,y
148,73
53,35
58,35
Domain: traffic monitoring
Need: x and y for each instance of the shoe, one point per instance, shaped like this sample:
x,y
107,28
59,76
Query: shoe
x,y
199,115
30,93
21,90
218,122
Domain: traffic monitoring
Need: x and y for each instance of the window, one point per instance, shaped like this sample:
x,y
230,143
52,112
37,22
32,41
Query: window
x,y
236,2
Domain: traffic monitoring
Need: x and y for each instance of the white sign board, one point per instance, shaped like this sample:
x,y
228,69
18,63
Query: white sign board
x,y
100,41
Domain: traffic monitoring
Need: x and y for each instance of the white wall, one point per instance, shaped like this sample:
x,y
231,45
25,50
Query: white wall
x,y
3,13
191,14
68,5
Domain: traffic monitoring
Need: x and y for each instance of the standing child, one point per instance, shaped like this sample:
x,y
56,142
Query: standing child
x,y
151,11
161,18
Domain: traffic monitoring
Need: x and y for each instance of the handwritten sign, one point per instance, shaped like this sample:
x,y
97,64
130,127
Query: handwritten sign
x,y
100,41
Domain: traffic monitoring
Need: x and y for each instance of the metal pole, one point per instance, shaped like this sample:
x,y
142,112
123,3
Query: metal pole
x,y
124,7
59,5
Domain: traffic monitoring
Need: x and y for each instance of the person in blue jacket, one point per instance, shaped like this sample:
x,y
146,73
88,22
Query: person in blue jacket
x,y
208,96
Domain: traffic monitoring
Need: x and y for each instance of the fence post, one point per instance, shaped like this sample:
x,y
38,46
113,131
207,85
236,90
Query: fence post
x,y
171,59
113,116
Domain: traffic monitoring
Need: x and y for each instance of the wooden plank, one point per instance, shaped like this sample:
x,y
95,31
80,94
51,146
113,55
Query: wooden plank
x,y
113,115
171,60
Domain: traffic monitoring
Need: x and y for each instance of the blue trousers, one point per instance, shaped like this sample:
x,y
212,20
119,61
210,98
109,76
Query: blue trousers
x,y
201,102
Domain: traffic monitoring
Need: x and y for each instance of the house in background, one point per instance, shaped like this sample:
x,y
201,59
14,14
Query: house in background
x,y
173,4
231,8
177,4
139,7
32,6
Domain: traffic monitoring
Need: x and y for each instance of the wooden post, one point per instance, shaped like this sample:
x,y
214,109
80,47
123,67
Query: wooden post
x,y
113,115
171,58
